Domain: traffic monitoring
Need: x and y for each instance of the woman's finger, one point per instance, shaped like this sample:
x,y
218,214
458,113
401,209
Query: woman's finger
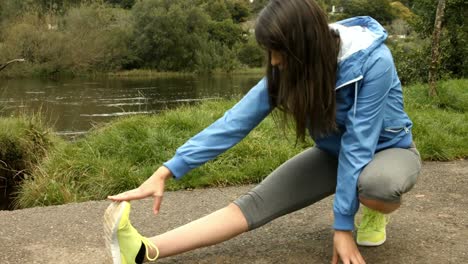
x,y
128,195
360,258
335,257
158,195
157,204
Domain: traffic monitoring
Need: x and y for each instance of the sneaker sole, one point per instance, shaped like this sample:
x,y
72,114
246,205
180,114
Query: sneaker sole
x,y
112,218
370,244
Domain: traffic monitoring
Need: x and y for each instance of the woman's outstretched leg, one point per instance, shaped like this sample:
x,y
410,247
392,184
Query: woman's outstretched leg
x,y
126,244
211,229
301,181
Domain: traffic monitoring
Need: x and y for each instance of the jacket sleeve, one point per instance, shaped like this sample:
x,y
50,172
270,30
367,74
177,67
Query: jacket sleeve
x,y
359,141
223,133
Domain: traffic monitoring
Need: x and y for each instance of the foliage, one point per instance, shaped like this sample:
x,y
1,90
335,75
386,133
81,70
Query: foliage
x,y
24,141
84,39
127,4
401,11
226,32
407,53
86,36
76,37
239,9
454,39
217,10
251,54
380,10
258,5
168,36
98,37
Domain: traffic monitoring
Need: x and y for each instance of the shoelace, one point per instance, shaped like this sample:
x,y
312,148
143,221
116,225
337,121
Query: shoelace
x,y
148,243
373,221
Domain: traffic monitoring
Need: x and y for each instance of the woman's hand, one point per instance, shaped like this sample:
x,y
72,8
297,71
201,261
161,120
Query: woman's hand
x,y
154,186
345,248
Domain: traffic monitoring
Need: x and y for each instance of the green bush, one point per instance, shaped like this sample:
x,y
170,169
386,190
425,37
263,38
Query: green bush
x,y
74,39
412,58
251,54
381,10
86,39
24,142
454,37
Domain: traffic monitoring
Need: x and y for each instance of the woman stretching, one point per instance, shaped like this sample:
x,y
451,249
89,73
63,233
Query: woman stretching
x,y
338,84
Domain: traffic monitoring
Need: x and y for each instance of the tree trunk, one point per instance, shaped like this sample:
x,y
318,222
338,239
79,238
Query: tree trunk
x,y
436,48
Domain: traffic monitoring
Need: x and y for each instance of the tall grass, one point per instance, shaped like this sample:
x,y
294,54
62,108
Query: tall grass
x,y
24,141
122,154
441,123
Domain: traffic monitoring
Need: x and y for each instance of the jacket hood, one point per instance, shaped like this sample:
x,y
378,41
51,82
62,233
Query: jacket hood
x,y
359,37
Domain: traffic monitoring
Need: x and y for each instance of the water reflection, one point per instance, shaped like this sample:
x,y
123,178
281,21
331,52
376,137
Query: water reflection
x,y
73,106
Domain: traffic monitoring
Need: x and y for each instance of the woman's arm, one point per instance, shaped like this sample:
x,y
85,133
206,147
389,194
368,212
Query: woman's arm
x,y
217,138
359,141
224,133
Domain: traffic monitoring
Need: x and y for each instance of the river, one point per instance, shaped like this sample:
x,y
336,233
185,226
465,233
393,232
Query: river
x,y
73,106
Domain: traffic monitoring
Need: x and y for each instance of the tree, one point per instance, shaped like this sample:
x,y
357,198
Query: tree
x,y
164,36
435,47
401,11
226,32
251,54
239,10
453,35
217,9
381,10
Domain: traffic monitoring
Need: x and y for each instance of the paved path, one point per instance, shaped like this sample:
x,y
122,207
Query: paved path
x,y
432,227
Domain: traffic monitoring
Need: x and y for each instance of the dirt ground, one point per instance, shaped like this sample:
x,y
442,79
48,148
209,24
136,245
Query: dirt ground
x,y
431,227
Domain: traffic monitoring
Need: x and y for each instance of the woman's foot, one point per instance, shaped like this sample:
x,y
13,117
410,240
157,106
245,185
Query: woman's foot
x,y
123,241
371,231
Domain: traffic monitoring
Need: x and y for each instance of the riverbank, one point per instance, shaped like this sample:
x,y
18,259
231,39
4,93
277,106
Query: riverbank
x,y
122,154
146,73
430,227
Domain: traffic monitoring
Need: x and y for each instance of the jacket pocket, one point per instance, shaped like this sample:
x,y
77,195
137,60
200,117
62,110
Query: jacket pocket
x,y
392,128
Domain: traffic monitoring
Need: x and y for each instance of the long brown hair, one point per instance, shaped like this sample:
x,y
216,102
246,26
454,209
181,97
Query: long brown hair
x,y
304,88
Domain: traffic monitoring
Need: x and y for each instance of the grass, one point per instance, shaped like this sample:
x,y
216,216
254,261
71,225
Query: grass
x,y
440,124
140,73
24,141
145,73
122,154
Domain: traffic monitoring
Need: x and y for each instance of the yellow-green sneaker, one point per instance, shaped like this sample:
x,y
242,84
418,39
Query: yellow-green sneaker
x,y
122,240
371,231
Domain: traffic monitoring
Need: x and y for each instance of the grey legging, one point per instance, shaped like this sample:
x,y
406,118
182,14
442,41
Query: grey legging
x,y
311,176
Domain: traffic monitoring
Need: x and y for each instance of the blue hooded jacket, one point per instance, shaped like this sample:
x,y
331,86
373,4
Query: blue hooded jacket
x,y
369,115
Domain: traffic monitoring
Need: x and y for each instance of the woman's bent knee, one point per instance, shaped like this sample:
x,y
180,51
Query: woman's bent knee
x,y
381,206
389,175
237,213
